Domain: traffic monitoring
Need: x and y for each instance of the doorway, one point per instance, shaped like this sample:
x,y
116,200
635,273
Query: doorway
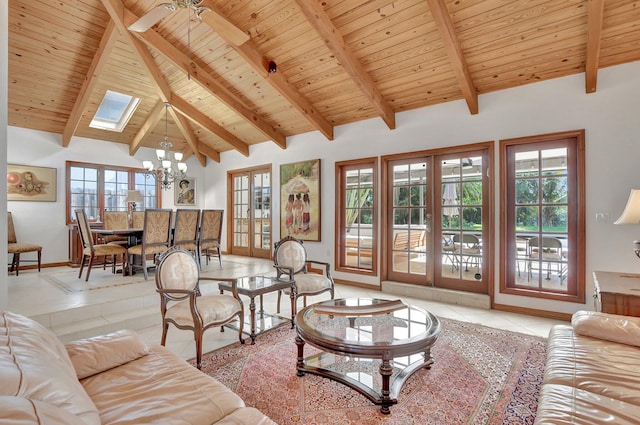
x,y
437,219
250,200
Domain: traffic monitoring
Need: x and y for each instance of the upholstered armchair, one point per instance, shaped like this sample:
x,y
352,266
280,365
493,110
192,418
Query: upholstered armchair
x,y
16,248
290,259
177,282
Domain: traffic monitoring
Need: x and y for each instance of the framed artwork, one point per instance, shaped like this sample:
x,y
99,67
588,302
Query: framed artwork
x,y
300,200
185,191
30,183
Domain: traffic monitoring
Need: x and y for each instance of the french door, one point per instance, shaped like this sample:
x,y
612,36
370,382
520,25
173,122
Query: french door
x,y
251,207
437,219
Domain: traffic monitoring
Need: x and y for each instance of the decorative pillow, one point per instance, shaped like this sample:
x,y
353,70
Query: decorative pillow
x,y
94,355
610,327
22,411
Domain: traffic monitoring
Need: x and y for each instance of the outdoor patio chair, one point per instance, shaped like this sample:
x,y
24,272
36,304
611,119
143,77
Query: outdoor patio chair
x,y
181,304
546,249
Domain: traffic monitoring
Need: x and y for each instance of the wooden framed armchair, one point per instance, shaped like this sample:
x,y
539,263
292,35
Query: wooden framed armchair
x,y
177,282
290,259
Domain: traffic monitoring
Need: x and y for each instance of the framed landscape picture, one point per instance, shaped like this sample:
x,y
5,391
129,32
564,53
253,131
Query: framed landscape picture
x,y
30,183
185,192
300,200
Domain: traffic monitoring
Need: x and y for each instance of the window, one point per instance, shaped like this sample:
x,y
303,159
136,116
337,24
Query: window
x,y
356,215
543,216
114,111
95,188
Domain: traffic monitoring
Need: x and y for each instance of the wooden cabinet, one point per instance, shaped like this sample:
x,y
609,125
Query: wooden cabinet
x,y
617,293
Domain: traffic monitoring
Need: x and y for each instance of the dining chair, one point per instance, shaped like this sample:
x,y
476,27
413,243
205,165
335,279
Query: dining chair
x,y
91,250
185,233
156,238
115,220
181,304
137,219
16,248
290,260
210,232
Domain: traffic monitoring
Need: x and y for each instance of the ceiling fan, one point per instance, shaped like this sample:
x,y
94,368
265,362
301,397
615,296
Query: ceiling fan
x,y
209,16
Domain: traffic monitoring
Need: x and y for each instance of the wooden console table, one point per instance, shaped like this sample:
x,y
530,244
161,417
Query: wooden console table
x,y
617,293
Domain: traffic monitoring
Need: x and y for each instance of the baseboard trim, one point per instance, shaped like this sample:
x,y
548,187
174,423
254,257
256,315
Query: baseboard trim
x,y
533,312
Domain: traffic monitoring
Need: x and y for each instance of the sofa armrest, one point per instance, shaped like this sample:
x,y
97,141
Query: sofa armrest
x,y
94,355
610,327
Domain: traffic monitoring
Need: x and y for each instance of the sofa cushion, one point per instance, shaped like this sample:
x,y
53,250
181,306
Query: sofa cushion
x,y
160,388
22,411
595,365
35,365
564,405
612,327
97,354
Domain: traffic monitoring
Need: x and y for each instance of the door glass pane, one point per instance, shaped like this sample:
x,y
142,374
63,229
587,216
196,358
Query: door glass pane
x,y
241,211
358,218
262,210
461,218
410,218
541,218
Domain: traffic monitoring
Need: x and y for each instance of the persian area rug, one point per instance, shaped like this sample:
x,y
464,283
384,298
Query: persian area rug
x,y
480,375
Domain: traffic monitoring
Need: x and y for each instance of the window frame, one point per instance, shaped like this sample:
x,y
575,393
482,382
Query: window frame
x,y
341,168
576,227
101,169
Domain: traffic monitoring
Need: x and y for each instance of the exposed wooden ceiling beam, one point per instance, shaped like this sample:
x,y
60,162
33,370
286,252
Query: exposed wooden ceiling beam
x,y
151,122
323,25
596,10
452,46
165,94
209,151
99,60
193,114
277,80
180,60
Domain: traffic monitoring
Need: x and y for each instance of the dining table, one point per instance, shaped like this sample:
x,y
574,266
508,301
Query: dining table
x,y
133,234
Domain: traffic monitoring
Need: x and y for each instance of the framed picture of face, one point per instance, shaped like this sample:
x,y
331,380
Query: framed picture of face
x,y
30,183
185,192
300,200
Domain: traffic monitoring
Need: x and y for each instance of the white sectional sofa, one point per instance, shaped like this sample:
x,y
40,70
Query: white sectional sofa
x,y
592,373
110,379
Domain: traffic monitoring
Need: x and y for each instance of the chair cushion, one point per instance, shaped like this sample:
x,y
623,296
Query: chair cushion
x,y
97,354
149,250
212,308
310,283
188,246
106,249
209,245
14,248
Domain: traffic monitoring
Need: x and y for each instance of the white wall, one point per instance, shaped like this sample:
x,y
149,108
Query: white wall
x,y
44,222
610,117
4,61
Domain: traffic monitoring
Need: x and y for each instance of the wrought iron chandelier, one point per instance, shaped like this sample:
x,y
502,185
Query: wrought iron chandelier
x,y
169,169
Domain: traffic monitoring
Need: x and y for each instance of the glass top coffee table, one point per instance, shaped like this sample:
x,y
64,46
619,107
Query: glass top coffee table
x,y
253,286
371,345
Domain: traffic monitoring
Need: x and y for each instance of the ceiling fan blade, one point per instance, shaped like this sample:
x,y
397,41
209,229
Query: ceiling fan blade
x,y
223,27
152,17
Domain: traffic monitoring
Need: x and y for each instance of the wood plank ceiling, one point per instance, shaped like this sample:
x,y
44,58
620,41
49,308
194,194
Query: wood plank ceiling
x,y
338,61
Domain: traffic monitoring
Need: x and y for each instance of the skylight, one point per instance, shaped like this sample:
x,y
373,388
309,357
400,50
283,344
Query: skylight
x,y
114,111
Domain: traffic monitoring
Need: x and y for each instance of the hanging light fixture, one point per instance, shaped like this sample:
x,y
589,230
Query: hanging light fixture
x,y
169,169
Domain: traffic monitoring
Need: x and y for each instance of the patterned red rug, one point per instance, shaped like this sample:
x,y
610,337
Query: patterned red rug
x,y
480,375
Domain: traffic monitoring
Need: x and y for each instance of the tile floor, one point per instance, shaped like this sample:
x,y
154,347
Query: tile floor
x,y
61,301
